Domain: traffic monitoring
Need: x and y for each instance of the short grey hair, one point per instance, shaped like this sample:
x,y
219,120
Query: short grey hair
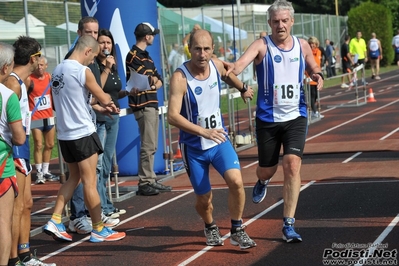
x,y
281,5
6,54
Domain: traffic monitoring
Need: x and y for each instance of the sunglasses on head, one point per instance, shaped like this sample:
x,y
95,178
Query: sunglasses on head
x,y
39,54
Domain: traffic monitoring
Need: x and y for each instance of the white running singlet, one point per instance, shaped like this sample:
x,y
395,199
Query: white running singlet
x,y
72,101
281,95
201,106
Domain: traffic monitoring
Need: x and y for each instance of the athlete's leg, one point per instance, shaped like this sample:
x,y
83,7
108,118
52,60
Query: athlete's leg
x,y
48,144
87,169
17,213
236,200
24,233
292,183
204,207
6,211
38,146
66,191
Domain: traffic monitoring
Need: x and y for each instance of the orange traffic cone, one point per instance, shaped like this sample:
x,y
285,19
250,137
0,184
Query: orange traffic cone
x,y
178,152
371,98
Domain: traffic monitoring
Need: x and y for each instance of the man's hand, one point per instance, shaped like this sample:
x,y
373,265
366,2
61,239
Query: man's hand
x,y
217,135
319,79
229,67
249,94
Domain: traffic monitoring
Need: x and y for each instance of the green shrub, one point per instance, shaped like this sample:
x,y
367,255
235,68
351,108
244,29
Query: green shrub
x,y
369,17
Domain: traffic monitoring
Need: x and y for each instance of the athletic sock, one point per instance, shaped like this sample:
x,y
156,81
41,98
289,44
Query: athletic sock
x,y
235,224
13,261
210,225
45,167
38,167
57,218
98,226
288,221
24,256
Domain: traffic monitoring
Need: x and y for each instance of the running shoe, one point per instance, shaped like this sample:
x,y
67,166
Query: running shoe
x,y
80,225
213,237
241,238
377,77
289,234
112,215
344,86
40,178
107,234
259,191
120,211
34,261
50,177
57,231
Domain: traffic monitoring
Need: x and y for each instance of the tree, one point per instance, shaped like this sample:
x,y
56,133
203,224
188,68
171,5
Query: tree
x,y
371,17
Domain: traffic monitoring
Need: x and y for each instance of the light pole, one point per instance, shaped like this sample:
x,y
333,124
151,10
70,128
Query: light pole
x,y
336,7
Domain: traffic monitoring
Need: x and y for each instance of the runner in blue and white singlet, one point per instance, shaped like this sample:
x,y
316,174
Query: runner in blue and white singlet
x,y
201,106
280,76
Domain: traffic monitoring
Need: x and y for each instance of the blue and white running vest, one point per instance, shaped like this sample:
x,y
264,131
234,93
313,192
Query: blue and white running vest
x,y
374,48
281,95
23,151
201,106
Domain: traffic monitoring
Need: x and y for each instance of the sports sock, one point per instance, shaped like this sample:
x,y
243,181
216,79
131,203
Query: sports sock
x,y
288,221
24,256
210,225
13,261
57,218
235,224
45,167
38,167
98,226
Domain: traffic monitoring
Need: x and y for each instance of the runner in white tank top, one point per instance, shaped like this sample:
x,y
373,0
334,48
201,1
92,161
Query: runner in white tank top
x,y
281,109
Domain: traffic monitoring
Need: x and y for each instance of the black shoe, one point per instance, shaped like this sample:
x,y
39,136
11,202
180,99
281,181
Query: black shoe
x,y
372,76
160,187
147,190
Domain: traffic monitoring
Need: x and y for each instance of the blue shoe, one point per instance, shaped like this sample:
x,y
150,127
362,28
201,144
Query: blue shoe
x,y
289,234
57,231
106,234
259,191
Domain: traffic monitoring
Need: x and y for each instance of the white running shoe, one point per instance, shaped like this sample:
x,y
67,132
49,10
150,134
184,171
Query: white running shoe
x,y
40,178
344,86
80,225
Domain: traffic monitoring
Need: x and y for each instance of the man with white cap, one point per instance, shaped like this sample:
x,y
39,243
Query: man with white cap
x,y
144,105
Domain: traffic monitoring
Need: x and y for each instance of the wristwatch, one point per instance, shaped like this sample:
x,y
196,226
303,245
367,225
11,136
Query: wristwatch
x,y
244,88
320,74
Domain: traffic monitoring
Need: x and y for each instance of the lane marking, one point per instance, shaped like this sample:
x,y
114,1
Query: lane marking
x,y
352,157
122,222
379,240
256,217
390,133
351,120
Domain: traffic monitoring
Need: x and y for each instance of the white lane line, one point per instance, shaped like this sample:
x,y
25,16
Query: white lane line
x,y
390,133
351,120
379,240
352,157
41,210
122,222
256,217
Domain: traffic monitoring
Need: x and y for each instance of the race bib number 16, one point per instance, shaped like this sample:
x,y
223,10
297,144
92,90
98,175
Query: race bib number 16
x,y
287,94
212,121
